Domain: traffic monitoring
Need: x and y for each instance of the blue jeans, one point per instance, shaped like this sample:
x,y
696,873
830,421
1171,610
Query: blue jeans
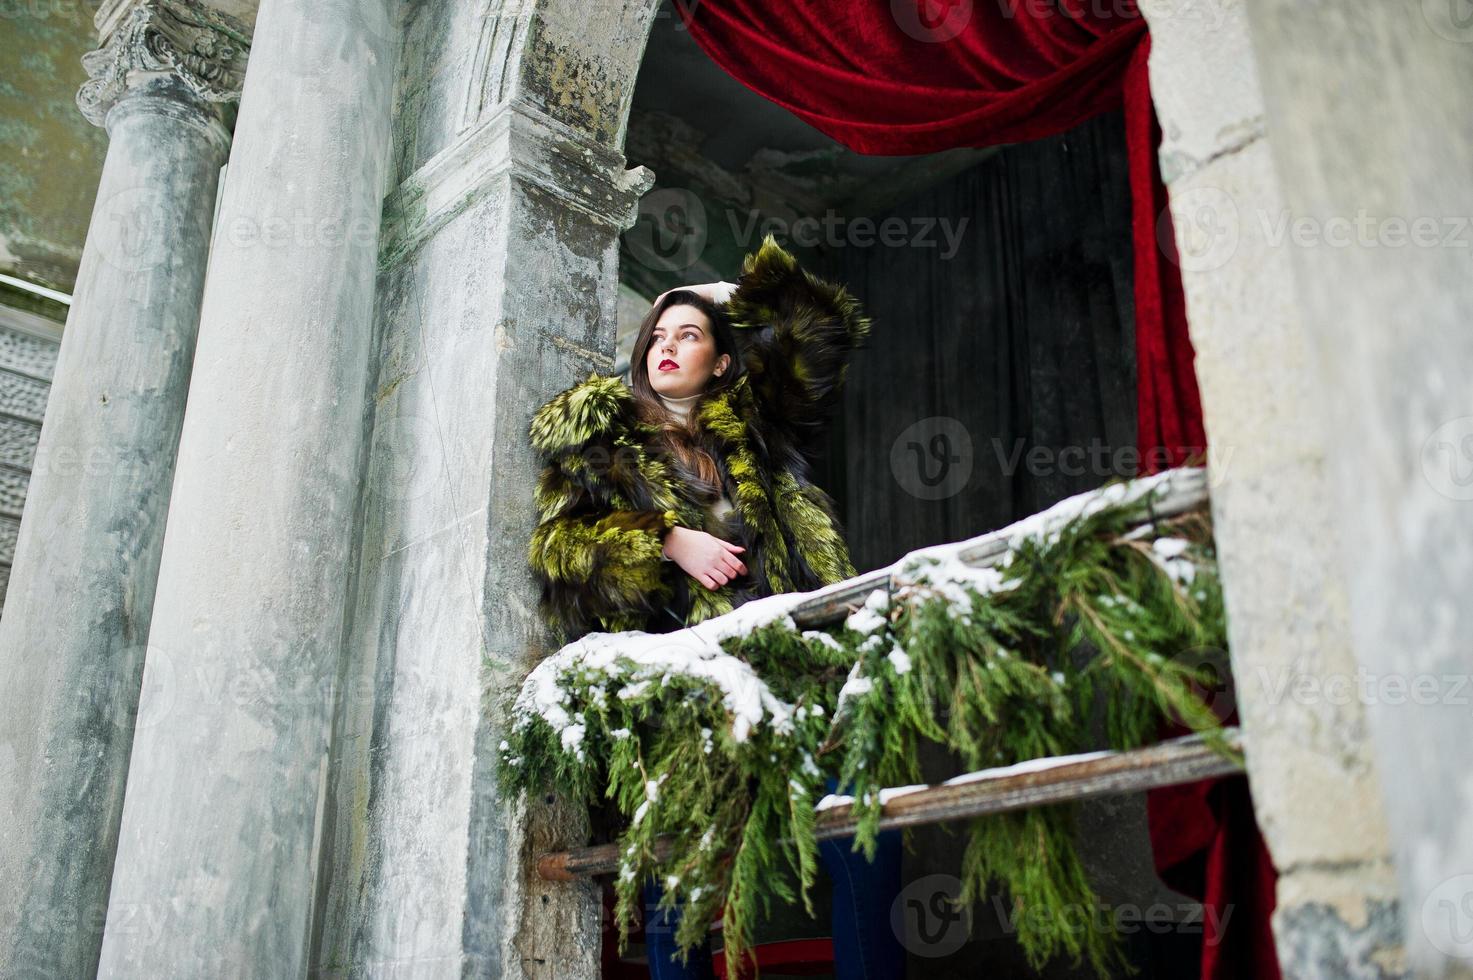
x,y
865,944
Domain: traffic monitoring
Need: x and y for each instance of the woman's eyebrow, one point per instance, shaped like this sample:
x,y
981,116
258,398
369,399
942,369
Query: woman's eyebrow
x,y
693,326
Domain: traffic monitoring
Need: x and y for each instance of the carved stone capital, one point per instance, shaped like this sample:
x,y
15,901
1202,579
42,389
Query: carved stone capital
x,y
205,49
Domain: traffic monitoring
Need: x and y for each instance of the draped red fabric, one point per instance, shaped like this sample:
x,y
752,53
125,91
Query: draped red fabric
x,y
892,77
1206,844
1168,406
900,77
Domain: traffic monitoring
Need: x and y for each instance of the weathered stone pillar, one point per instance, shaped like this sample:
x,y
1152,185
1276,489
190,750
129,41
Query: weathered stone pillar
x,y
1315,788
214,873
75,629
1370,110
498,289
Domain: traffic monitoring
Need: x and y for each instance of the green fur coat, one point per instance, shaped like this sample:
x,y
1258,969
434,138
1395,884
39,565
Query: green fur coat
x,y
606,497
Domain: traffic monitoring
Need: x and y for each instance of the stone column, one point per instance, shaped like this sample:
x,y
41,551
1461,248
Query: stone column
x,y
498,289
214,873
1315,788
76,621
489,306
1370,110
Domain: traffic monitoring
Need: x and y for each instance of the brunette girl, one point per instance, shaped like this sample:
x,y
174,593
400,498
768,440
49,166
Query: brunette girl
x,y
689,491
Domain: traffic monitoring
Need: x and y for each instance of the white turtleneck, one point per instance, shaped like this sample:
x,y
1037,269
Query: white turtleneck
x,y
681,408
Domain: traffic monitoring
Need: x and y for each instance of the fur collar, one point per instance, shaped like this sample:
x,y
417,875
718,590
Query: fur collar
x,y
599,405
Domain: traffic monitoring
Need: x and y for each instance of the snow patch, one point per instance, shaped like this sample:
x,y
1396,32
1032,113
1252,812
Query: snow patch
x,y
823,638
1170,554
871,616
644,658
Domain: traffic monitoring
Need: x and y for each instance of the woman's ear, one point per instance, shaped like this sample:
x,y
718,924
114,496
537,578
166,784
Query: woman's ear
x,y
722,363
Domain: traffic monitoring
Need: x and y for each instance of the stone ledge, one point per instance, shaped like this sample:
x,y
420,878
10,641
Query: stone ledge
x,y
520,141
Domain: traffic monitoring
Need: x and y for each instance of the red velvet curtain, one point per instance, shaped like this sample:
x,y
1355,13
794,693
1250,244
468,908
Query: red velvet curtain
x,y
899,77
891,77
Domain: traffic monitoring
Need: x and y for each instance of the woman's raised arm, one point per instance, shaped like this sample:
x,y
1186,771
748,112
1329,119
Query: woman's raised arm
x,y
799,331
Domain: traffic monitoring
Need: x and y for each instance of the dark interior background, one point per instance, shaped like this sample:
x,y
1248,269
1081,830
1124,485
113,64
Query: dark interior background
x,y
997,380
1020,344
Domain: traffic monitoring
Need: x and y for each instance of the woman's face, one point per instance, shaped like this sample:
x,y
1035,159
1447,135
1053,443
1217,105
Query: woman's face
x,y
682,355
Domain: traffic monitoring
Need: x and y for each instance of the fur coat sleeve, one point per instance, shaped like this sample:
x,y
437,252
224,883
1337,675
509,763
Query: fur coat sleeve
x,y
603,511
799,332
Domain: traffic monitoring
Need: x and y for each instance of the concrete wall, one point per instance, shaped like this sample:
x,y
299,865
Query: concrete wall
x,y
28,347
1314,781
1369,117
50,157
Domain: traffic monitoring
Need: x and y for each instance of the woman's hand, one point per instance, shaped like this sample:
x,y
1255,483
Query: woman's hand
x,y
705,557
716,292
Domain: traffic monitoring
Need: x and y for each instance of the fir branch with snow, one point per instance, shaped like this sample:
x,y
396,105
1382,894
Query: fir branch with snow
x,y
719,737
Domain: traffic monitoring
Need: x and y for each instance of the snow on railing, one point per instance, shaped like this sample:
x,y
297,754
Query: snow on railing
x,y
697,650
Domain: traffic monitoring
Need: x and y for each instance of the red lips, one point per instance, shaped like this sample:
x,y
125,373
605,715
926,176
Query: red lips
x,y
672,364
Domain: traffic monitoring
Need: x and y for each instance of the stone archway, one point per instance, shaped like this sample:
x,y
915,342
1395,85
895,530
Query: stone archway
x,y
497,286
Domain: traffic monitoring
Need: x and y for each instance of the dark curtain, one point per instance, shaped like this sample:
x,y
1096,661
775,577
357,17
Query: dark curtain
x,y
1018,352
993,346
920,76
1021,343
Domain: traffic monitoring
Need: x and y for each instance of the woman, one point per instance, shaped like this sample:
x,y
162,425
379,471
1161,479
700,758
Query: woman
x,y
689,491
633,530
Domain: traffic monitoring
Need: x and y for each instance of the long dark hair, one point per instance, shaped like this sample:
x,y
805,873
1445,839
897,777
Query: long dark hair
x,y
696,463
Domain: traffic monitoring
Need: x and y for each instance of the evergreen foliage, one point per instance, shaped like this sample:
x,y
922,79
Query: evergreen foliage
x,y
1082,635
